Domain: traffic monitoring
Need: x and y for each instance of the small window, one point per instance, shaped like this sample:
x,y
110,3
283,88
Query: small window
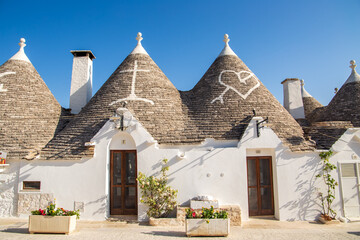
x,y
348,170
31,185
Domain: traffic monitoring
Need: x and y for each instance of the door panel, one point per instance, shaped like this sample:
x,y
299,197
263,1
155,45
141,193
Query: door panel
x,y
116,168
123,185
260,188
350,189
253,203
116,197
130,168
130,197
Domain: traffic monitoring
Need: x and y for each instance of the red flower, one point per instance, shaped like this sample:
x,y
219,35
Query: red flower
x,y
42,212
193,215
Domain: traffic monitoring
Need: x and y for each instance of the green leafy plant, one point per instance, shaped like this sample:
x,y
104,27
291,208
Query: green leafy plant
x,y
221,214
207,213
327,197
190,213
156,193
51,210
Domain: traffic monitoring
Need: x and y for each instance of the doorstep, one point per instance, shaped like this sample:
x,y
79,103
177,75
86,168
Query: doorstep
x,y
123,218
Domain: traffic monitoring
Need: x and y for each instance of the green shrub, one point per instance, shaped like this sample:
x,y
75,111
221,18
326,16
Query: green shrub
x,y
156,194
328,197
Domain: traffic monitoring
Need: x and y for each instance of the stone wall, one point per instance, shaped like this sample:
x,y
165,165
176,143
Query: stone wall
x,y
8,189
33,201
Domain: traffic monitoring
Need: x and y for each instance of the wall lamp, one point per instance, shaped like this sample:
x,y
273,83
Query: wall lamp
x,y
259,125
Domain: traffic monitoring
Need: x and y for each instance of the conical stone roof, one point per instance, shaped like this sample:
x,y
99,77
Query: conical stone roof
x,y
220,106
29,113
149,96
310,103
345,105
222,103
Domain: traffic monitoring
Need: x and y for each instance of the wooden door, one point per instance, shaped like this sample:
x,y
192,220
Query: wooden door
x,y
123,185
260,186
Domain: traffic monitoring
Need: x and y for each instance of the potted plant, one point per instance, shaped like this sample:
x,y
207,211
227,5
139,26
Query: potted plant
x,y
207,223
53,220
158,196
3,157
327,197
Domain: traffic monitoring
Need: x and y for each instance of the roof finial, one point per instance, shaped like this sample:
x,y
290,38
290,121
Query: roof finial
x,y
139,48
304,93
226,39
22,43
354,76
353,64
20,55
227,50
139,37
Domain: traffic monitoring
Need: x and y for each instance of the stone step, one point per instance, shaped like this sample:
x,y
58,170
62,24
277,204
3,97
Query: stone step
x,y
129,219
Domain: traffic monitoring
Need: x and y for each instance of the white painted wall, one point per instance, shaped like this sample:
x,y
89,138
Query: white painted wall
x,y
70,181
216,168
293,174
346,149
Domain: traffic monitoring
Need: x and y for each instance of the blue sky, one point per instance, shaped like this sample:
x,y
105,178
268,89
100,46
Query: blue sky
x,y
312,40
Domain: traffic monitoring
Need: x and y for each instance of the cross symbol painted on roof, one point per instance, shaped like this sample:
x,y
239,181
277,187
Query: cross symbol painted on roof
x,y
2,89
132,96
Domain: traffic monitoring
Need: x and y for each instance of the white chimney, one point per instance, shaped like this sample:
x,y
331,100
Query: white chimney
x,y
81,79
292,98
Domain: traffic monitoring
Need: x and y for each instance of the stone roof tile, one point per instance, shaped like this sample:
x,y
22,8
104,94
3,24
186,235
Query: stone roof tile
x,y
220,106
29,113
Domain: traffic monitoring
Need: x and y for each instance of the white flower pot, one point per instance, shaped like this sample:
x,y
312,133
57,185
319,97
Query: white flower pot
x,y
207,227
52,224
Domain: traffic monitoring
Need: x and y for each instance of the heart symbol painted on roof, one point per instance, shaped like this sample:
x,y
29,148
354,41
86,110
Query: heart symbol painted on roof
x,y
242,80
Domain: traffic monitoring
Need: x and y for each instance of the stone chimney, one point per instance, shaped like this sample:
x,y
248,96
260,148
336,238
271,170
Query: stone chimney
x,y
292,97
81,79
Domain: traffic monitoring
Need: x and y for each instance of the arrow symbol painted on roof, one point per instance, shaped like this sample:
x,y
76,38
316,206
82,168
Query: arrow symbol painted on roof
x,y
2,85
242,80
132,96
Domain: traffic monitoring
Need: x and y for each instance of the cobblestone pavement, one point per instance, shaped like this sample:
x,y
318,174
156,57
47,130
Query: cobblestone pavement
x,y
253,229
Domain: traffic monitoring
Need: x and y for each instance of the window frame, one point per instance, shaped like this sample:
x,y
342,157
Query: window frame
x,y
27,188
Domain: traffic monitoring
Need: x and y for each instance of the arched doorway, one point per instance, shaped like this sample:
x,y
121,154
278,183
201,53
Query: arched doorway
x,y
123,173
